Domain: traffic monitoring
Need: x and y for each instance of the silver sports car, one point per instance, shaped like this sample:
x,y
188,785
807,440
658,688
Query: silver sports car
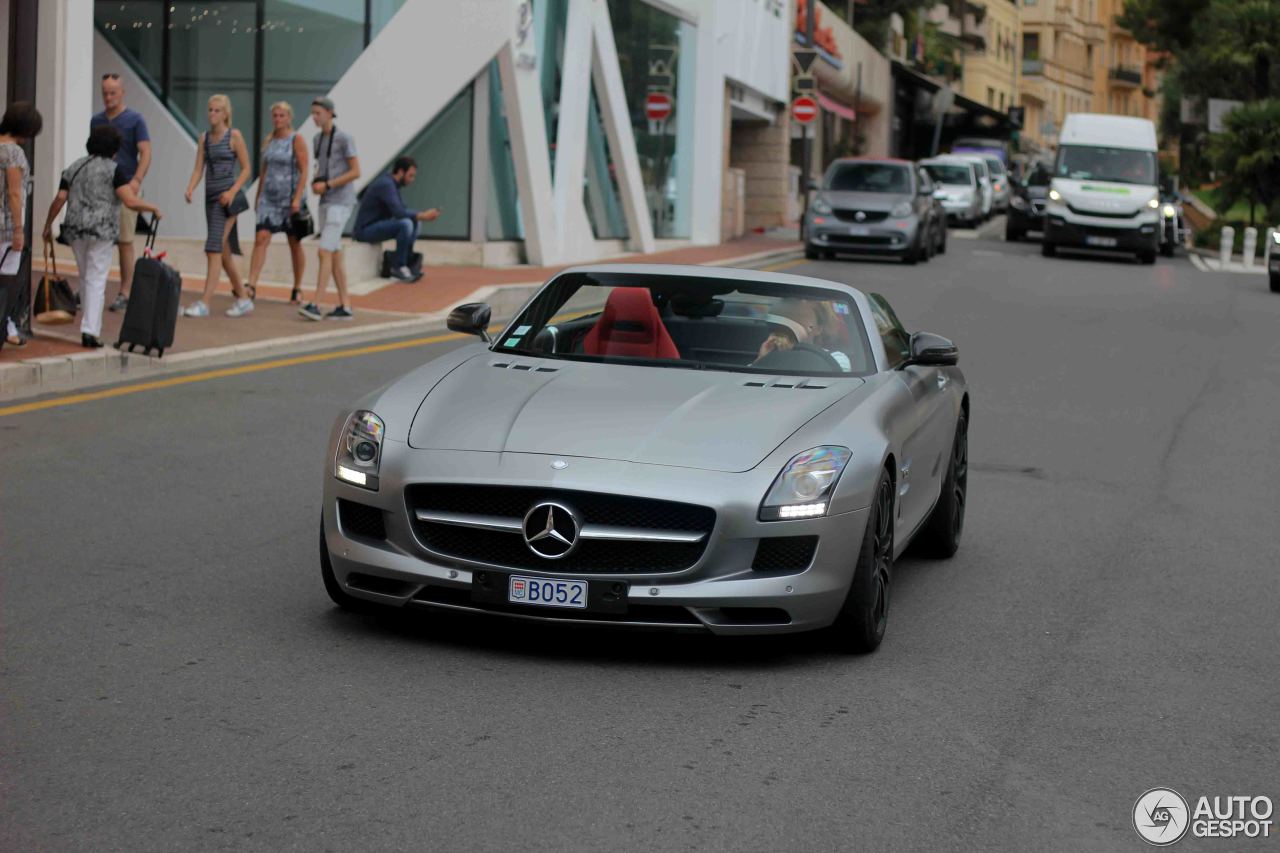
x,y
657,446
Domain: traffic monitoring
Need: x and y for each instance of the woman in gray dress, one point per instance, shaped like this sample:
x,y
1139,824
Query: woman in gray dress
x,y
282,185
220,149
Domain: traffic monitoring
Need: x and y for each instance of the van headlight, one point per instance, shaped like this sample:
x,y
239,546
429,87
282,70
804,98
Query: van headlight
x,y
360,450
1154,204
1054,195
805,486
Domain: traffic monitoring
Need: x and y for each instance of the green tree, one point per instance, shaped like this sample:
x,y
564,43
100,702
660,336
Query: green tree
x,y
1247,155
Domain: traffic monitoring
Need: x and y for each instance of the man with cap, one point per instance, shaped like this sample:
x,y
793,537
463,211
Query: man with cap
x,y
337,168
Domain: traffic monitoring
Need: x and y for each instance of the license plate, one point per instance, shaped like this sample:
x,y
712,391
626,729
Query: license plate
x,y
547,593
859,231
1102,242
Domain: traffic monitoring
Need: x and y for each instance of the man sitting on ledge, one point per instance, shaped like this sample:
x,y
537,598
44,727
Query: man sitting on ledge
x,y
383,216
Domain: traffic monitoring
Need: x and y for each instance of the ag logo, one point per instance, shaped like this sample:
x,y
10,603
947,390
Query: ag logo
x,y
1161,816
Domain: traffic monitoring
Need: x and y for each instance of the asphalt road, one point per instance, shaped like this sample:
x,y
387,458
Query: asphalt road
x,y
174,678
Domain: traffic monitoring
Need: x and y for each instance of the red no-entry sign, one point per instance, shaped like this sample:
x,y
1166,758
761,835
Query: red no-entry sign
x,y
804,109
657,106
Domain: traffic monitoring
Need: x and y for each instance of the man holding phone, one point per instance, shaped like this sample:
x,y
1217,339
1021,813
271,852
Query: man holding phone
x,y
383,216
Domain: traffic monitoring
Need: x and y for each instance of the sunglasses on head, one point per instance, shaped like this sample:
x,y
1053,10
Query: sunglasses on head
x,y
111,76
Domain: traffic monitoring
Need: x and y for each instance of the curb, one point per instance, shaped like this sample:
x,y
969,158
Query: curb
x,y
34,376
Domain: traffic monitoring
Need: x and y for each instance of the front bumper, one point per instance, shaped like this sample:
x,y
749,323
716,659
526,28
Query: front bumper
x,y
962,210
1139,236
720,593
891,236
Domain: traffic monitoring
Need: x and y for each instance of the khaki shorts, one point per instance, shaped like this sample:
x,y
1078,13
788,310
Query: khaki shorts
x,y
128,225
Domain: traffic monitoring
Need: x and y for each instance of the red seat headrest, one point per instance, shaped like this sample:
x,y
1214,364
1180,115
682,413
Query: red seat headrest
x,y
630,326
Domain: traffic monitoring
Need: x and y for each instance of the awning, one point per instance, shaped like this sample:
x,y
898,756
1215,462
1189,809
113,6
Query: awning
x,y
836,108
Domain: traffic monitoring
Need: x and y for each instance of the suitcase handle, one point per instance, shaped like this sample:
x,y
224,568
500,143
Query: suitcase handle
x,y
150,243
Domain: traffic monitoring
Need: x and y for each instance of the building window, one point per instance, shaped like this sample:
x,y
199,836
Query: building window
x,y
211,51
306,48
502,211
645,35
991,97
380,13
1002,101
136,31
1031,46
443,152
600,195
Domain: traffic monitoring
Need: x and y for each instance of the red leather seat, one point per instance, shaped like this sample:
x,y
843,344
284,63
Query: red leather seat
x,y
630,326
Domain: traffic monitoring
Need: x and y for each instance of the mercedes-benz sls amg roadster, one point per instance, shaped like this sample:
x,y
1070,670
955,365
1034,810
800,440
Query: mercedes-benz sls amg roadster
x,y
667,447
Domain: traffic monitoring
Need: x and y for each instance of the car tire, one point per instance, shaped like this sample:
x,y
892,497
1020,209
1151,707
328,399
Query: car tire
x,y
940,536
827,255
337,594
911,255
1048,248
927,247
860,624
1275,283
1166,249
1013,235
1148,257
942,242
810,252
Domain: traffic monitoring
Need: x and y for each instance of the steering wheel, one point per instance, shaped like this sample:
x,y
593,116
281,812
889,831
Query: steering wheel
x,y
801,358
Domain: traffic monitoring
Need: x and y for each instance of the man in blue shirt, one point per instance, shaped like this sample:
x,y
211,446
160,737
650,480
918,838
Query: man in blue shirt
x,y
383,216
134,159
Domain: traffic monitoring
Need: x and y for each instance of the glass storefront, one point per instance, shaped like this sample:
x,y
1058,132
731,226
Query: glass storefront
x,y
656,51
443,153
304,47
502,211
600,194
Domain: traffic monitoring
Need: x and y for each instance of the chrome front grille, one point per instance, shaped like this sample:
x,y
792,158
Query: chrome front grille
x,y
619,534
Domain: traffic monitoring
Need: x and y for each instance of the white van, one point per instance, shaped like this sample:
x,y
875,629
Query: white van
x,y
1104,193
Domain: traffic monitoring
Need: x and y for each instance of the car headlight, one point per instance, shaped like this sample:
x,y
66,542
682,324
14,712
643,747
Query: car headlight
x,y
805,486
360,450
901,210
820,206
1054,195
1275,237
1170,211
1018,202
1154,204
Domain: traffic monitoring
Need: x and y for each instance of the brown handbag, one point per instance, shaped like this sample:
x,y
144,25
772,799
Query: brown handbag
x,y
55,302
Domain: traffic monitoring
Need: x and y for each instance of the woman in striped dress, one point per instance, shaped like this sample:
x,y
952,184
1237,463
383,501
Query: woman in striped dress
x,y
221,148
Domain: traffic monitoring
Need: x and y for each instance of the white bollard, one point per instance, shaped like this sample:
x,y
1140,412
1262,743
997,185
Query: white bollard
x,y
1250,246
1224,247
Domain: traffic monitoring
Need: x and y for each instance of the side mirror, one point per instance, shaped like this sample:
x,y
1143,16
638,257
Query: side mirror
x,y
932,350
813,185
471,319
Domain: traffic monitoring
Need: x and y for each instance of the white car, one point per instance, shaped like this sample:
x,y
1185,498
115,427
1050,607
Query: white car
x,y
1000,189
984,180
957,178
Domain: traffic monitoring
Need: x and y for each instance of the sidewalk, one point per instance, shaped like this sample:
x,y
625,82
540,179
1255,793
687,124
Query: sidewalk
x,y
54,360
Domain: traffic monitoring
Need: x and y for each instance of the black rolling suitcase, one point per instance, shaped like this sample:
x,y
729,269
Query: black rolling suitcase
x,y
152,315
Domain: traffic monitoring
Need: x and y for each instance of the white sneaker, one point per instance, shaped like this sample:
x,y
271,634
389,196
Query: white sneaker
x,y
197,309
243,306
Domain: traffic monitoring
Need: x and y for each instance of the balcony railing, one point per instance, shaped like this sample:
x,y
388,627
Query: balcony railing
x,y
1033,66
1125,75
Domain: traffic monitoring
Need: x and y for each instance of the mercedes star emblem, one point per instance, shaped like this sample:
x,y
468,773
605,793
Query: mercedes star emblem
x,y
859,216
551,530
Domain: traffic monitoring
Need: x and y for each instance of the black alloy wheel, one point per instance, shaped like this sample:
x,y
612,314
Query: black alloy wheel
x,y
337,594
940,536
861,623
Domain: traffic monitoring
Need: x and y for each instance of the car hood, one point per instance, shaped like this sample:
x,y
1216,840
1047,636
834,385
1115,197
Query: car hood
x,y
706,419
865,201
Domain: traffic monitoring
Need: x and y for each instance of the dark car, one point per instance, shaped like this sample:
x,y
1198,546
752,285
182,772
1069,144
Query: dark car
x,y
876,206
1026,204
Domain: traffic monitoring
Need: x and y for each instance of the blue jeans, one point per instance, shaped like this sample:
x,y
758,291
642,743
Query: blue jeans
x,y
403,231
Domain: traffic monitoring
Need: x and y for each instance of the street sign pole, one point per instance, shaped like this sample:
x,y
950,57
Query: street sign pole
x,y
810,9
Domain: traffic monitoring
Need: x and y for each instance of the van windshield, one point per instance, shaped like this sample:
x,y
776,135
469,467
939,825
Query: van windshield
x,y
1117,165
946,173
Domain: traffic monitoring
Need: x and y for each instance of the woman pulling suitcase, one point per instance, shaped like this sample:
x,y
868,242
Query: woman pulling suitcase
x,y
92,189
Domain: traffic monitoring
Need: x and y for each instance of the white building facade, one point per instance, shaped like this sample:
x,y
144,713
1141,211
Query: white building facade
x,y
527,117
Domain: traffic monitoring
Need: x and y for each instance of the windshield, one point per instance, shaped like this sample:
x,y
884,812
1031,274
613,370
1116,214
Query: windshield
x,y
693,323
870,178
1117,165
995,166
945,174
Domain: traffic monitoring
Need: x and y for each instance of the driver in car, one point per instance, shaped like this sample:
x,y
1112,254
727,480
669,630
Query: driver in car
x,y
799,321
